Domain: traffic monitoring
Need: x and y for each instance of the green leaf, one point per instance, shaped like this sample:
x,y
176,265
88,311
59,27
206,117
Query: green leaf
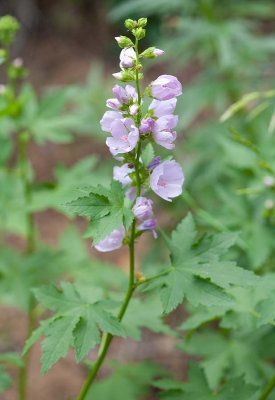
x,y
232,356
20,273
84,340
77,323
106,209
203,315
147,154
5,380
59,338
197,388
145,314
237,389
200,274
69,182
130,381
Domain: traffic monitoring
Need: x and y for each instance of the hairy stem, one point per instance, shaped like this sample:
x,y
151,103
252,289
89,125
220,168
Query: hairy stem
x,y
268,389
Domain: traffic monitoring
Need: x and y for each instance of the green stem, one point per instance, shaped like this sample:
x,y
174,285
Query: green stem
x,y
138,153
30,247
268,389
107,339
23,372
27,188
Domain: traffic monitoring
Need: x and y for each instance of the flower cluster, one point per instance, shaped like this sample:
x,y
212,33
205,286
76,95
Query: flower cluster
x,y
130,126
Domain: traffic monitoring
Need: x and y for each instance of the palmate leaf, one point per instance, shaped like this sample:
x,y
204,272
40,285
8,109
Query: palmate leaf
x,y
127,382
76,323
48,118
199,272
230,357
106,209
69,182
196,388
20,273
146,314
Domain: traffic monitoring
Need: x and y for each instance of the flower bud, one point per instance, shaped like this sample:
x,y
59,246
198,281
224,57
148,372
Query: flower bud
x,y
18,62
139,33
152,52
130,24
3,89
125,75
269,204
140,277
133,109
269,181
127,58
113,103
8,28
124,41
142,22
143,209
16,69
147,125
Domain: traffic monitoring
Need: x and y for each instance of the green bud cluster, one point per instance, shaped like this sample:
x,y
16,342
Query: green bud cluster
x,y
137,30
8,29
131,24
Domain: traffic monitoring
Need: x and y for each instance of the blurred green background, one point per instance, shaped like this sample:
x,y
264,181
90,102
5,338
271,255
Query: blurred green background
x,y
221,51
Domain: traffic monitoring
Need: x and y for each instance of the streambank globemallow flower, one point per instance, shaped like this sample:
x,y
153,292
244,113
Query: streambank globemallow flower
x,y
112,241
108,118
121,174
125,136
149,225
165,87
162,132
127,95
167,179
164,107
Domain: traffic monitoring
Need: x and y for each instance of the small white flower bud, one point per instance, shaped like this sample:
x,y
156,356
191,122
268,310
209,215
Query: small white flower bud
x,y
269,204
124,41
118,75
3,89
152,52
18,62
269,181
133,109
